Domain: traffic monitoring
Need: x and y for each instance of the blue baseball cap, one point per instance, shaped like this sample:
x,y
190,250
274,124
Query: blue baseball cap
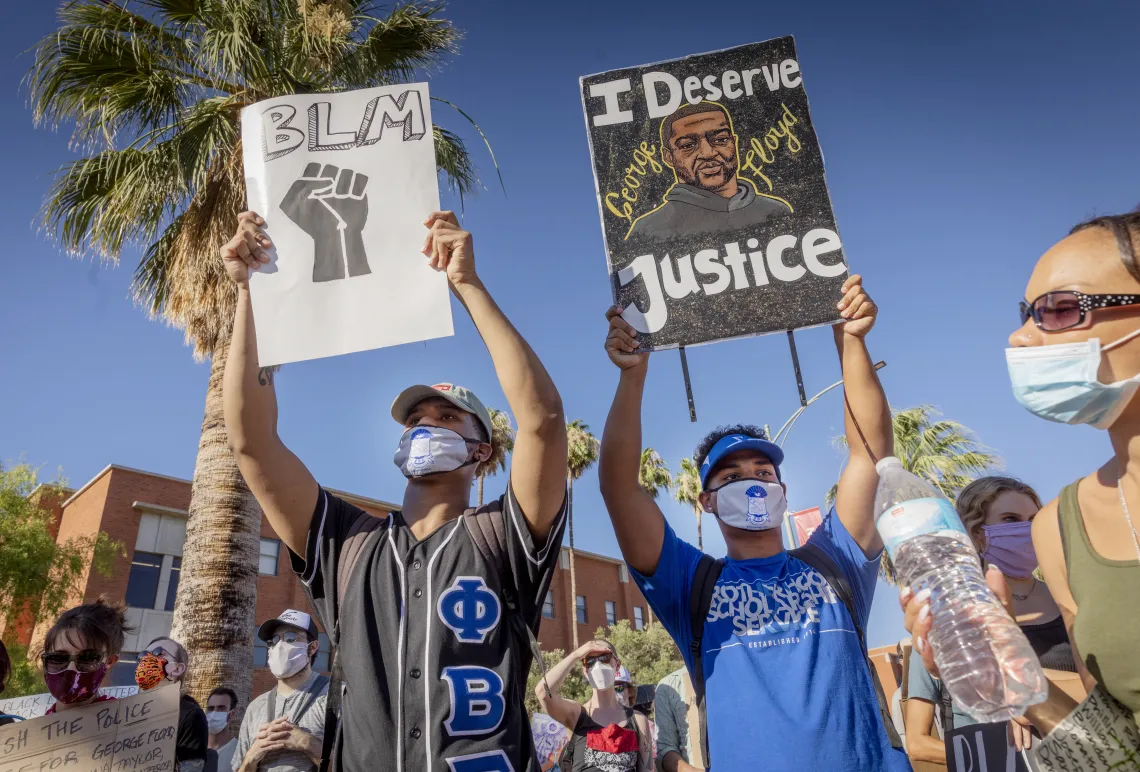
x,y
734,442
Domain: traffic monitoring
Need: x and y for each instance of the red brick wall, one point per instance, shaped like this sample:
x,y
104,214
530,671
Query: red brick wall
x,y
599,580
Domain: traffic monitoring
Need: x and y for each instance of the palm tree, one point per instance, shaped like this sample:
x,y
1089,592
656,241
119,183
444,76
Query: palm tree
x,y
688,482
502,443
155,91
944,453
582,453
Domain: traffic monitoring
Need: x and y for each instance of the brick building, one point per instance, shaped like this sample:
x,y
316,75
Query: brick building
x,y
147,512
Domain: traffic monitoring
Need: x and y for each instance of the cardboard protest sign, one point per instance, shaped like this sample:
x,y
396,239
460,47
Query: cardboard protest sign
x,y
715,212
344,182
135,734
982,747
34,705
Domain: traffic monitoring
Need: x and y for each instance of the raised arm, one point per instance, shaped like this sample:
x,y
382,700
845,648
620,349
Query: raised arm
x,y
638,521
552,703
282,485
866,418
538,463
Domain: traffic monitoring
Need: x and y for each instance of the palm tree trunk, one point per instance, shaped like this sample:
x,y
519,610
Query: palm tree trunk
x,y
480,491
217,590
700,536
573,576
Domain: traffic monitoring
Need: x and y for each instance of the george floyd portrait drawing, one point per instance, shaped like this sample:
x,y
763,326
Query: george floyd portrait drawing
x,y
715,211
698,143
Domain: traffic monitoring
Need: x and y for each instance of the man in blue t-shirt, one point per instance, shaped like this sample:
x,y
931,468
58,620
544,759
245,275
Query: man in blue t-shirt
x,y
786,680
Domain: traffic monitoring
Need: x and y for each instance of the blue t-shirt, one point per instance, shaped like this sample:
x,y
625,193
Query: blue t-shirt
x,y
786,683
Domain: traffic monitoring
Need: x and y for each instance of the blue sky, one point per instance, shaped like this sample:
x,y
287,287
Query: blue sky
x,y
961,140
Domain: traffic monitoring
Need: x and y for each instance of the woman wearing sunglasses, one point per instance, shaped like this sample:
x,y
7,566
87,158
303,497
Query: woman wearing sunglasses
x,y
79,650
1076,359
606,735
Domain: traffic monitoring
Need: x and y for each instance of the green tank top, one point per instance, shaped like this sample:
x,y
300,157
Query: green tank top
x,y
1107,593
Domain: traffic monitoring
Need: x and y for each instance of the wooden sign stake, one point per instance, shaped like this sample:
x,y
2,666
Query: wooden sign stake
x,y
689,385
795,364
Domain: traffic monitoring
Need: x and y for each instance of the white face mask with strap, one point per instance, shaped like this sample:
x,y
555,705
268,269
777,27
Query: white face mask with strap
x,y
1060,383
428,450
751,505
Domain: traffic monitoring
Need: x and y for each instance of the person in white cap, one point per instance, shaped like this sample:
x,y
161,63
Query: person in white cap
x,y
283,729
430,609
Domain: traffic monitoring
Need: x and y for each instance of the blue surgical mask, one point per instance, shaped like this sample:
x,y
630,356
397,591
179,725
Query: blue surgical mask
x,y
1059,382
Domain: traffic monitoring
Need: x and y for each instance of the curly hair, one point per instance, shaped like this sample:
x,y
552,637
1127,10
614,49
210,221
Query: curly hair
x,y
101,624
1126,229
701,452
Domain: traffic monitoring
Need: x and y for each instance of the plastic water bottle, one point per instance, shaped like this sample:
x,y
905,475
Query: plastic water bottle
x,y
983,658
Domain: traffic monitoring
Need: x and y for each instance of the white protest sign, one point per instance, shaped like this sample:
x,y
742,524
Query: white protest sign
x,y
34,705
135,734
344,182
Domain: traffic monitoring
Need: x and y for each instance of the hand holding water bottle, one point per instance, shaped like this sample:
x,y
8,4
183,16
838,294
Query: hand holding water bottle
x,y
961,630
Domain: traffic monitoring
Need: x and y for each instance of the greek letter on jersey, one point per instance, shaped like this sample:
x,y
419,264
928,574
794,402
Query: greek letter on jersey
x,y
477,704
469,608
487,761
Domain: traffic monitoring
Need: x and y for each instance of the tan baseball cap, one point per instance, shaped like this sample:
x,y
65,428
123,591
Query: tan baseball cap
x,y
462,398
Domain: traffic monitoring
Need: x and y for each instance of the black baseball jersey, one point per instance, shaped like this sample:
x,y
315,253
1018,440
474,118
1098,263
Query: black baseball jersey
x,y
429,649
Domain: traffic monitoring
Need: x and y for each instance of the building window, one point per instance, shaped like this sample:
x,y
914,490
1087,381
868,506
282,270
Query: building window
x,y
142,583
548,605
123,673
267,561
172,588
638,619
580,602
611,613
260,651
322,663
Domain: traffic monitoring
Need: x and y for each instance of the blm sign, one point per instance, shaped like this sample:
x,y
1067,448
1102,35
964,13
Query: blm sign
x,y
715,211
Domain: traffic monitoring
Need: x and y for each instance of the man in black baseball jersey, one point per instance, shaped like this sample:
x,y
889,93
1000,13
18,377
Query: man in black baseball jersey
x,y
427,608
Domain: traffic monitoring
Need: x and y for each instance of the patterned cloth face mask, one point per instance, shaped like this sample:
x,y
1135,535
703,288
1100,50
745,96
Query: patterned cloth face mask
x,y
428,450
751,505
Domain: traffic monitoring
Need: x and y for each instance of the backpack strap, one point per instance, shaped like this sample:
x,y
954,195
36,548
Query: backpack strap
x,y
947,704
487,528
312,695
700,598
814,556
363,530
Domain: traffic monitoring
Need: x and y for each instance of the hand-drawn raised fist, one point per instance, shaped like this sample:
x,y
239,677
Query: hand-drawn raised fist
x,y
329,204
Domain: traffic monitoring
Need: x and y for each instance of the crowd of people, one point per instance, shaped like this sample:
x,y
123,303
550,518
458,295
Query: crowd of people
x,y
433,610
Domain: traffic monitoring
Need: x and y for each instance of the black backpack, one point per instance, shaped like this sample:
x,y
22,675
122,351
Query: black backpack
x,y
704,581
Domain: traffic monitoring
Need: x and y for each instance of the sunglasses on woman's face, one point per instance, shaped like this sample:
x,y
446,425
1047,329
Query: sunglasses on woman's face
x,y
85,661
1056,311
605,659
621,688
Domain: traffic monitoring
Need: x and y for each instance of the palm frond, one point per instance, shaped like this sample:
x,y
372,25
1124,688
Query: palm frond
x,y
486,141
688,484
653,473
582,448
502,444
411,37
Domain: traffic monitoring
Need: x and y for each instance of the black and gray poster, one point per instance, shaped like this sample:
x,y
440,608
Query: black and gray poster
x,y
715,211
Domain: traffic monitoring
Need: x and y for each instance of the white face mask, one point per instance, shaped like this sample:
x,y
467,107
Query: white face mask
x,y
601,676
427,450
751,505
216,721
1060,382
288,659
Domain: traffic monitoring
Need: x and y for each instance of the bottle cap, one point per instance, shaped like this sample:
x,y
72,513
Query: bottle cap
x,y
890,462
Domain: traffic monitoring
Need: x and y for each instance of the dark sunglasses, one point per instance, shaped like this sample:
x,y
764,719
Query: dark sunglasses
x,y
605,659
1056,311
621,688
85,661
